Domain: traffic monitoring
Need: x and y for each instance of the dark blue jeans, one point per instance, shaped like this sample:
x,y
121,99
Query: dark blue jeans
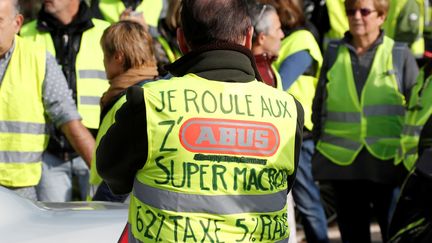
x,y
307,197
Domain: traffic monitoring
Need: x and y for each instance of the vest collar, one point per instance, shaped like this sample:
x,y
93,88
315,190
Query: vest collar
x,y
346,40
222,62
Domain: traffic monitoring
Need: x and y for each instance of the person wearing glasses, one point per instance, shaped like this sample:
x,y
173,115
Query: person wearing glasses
x,y
358,112
266,42
298,62
211,153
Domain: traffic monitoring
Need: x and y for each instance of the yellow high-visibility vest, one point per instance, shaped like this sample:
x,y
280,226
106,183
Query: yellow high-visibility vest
x,y
338,20
219,155
373,120
303,89
419,111
91,81
151,9
23,135
106,123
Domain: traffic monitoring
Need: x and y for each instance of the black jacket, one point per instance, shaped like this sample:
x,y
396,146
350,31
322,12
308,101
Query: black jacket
x,y
123,150
67,43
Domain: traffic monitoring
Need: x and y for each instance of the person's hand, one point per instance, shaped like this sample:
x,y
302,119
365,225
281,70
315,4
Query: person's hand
x,y
137,17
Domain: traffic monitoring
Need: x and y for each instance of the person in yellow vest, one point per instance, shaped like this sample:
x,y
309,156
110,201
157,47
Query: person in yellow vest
x,y
298,59
66,29
358,112
338,22
113,10
166,40
412,221
151,14
419,109
266,41
129,60
210,154
299,62
405,22
33,93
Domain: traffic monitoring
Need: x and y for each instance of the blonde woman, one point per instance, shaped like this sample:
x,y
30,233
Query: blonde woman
x,y
129,60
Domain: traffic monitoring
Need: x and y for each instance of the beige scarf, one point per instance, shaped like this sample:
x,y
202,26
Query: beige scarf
x,y
123,81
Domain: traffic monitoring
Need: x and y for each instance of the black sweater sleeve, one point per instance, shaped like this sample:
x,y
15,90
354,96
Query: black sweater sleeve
x,y
123,149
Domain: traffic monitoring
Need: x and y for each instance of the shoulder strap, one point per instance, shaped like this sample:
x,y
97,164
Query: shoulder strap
x,y
332,50
398,63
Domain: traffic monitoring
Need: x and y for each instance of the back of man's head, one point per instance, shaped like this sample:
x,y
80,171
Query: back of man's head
x,y
214,21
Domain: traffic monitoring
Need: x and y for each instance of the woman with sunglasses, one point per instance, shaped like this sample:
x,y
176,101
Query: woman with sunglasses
x,y
358,115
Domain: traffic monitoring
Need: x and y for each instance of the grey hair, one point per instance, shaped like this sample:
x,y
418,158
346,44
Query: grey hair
x,y
259,15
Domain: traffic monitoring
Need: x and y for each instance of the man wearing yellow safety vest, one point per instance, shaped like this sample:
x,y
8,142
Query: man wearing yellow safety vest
x,y
412,221
210,154
33,92
358,113
66,29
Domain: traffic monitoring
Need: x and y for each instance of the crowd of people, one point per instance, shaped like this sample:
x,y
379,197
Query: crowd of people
x,y
212,119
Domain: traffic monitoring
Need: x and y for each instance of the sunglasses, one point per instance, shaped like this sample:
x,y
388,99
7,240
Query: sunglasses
x,y
363,11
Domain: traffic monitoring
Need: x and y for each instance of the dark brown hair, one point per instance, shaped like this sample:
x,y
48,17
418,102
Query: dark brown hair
x,y
211,21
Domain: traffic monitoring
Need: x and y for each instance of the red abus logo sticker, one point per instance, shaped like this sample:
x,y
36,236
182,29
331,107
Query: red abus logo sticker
x,y
222,136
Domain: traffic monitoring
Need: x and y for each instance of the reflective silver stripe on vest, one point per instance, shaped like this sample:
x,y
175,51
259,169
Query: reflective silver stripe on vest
x,y
22,127
89,100
412,151
20,157
341,142
372,140
412,130
217,204
96,74
384,110
334,116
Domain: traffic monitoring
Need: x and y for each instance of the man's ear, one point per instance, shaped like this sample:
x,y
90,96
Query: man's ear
x,y
184,47
261,38
248,39
18,21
